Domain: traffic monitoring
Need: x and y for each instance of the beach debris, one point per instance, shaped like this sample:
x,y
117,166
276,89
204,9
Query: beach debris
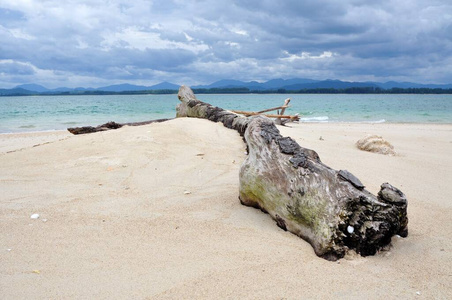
x,y
200,154
321,138
36,272
110,125
376,144
187,192
302,194
418,293
34,216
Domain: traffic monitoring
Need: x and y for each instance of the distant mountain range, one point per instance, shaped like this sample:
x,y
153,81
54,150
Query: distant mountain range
x,y
294,84
303,83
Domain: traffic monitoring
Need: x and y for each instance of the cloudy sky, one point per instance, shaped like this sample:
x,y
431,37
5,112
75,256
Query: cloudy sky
x,y
93,43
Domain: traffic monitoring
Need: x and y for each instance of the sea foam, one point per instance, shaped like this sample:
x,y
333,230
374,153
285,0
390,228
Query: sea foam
x,y
315,119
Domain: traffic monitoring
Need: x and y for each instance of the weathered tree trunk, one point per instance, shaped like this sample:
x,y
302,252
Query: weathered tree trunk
x,y
330,209
109,126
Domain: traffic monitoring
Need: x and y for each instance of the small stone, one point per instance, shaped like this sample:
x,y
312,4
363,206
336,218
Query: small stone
x,y
34,216
418,293
350,229
321,138
9,250
44,220
187,192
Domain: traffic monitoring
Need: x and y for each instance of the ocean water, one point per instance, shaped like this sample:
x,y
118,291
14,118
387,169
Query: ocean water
x,y
42,113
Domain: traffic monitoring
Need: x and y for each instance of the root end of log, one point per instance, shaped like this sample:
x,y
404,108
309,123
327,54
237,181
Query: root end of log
x,y
330,209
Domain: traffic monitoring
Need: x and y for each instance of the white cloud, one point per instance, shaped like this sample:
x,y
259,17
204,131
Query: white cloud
x,y
134,38
19,34
307,55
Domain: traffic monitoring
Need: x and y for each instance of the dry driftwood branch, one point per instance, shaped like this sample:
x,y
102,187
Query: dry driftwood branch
x,y
272,109
279,115
286,104
330,209
109,126
252,113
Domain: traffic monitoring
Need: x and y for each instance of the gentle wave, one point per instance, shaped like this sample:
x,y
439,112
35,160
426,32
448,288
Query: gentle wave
x,y
379,121
315,119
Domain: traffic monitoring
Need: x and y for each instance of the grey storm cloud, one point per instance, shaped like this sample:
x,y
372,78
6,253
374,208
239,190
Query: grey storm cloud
x,y
94,42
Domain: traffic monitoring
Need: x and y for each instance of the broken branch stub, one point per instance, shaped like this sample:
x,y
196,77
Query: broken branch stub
x,y
330,209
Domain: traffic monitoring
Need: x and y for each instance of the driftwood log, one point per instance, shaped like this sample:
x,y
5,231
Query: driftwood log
x,y
109,126
330,209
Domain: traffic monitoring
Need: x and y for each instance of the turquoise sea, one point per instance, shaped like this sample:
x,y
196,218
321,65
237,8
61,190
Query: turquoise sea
x,y
42,113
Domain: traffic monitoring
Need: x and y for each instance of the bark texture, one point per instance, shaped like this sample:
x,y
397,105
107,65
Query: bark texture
x,y
330,209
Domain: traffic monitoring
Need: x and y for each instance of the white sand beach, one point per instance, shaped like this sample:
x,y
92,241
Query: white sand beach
x,y
152,212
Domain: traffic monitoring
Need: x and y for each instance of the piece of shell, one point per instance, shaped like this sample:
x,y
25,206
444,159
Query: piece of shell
x,y
34,216
187,192
350,229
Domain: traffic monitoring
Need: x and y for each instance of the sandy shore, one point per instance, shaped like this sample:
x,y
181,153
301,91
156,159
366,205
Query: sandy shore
x,y
152,212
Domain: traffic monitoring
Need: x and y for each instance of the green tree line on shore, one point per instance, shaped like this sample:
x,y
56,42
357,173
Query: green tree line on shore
x,y
244,90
